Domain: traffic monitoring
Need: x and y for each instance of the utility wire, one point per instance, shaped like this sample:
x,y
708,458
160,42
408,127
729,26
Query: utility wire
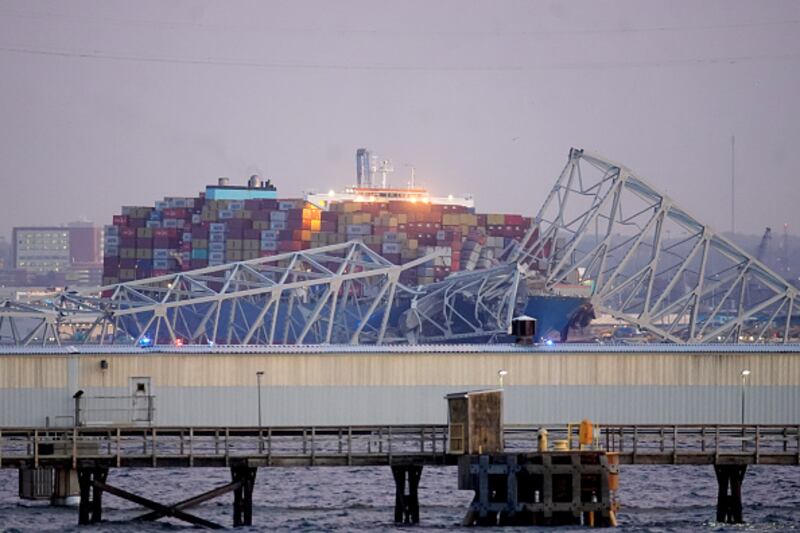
x,y
588,65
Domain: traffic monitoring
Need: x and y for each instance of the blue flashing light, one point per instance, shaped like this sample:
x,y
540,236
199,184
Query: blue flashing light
x,y
548,342
145,341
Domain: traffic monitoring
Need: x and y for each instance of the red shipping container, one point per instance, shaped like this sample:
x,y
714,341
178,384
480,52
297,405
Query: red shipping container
x,y
252,234
165,232
120,220
261,215
127,232
164,242
238,224
513,220
234,233
290,246
137,223
199,232
175,212
199,263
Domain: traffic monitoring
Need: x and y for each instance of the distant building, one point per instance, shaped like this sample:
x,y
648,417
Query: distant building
x,y
55,256
56,249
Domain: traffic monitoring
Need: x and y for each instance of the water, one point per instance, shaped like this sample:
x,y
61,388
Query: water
x,y
654,498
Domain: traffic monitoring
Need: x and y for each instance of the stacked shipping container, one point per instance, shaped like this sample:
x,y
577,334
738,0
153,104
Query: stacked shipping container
x,y
188,233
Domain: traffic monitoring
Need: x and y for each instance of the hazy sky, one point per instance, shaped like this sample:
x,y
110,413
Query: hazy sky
x,y
105,103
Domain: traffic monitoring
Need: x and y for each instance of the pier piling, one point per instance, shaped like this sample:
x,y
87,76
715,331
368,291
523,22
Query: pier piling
x,y
406,506
729,502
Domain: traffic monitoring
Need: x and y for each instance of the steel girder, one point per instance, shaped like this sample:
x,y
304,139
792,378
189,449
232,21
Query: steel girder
x,y
341,293
651,263
476,305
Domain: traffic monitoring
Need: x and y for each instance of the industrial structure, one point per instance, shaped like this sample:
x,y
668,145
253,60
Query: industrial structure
x,y
649,263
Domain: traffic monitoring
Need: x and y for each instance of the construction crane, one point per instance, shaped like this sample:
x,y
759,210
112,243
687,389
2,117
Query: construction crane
x,y
762,246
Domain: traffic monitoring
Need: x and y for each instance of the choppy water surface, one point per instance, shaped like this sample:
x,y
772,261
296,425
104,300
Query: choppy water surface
x,y
656,498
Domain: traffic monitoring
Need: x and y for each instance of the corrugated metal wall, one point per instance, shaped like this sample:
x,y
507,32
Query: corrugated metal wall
x,y
377,388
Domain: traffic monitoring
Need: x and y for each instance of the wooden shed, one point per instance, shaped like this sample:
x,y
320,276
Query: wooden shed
x,y
475,421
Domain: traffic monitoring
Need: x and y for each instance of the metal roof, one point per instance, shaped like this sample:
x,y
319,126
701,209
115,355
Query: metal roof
x,y
332,349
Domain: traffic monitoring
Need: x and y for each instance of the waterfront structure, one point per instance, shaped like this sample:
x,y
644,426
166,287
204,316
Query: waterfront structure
x,y
323,385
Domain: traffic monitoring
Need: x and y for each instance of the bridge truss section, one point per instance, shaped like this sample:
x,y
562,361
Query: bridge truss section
x,y
651,263
338,294
468,306
341,293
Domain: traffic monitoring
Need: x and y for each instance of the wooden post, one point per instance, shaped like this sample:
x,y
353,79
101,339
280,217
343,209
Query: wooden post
x,y
244,476
100,475
406,505
729,503
85,486
119,449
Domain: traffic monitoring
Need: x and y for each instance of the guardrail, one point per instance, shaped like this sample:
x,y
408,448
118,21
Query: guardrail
x,y
375,445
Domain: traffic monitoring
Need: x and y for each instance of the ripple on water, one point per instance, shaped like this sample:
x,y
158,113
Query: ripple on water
x,y
654,498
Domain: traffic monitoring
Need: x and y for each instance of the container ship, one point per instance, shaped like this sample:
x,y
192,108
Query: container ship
x,y
229,223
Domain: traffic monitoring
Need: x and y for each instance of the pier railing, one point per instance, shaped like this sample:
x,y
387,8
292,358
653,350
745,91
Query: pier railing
x,y
381,445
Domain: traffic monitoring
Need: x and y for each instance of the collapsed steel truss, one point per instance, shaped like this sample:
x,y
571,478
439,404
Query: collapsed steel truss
x,y
651,263
342,293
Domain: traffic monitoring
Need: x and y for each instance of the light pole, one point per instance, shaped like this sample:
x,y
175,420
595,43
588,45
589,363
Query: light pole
x,y
745,374
258,379
500,375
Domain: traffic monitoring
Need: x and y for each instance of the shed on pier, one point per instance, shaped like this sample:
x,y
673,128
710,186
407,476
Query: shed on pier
x,y
475,421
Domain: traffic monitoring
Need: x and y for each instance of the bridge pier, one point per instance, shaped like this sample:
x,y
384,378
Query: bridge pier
x,y
729,503
406,504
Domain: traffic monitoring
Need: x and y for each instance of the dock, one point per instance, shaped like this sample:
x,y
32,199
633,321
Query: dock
x,y
84,455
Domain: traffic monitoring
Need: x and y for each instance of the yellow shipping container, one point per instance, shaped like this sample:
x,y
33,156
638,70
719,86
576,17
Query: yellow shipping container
x,y
233,255
495,220
127,253
144,253
412,244
234,244
402,218
315,225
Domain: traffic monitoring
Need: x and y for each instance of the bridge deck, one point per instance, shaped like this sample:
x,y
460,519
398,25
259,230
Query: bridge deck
x,y
377,445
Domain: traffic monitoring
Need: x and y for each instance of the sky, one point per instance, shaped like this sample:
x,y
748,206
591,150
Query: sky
x,y
111,103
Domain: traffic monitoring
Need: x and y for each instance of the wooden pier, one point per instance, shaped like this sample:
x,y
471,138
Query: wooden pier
x,y
88,453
